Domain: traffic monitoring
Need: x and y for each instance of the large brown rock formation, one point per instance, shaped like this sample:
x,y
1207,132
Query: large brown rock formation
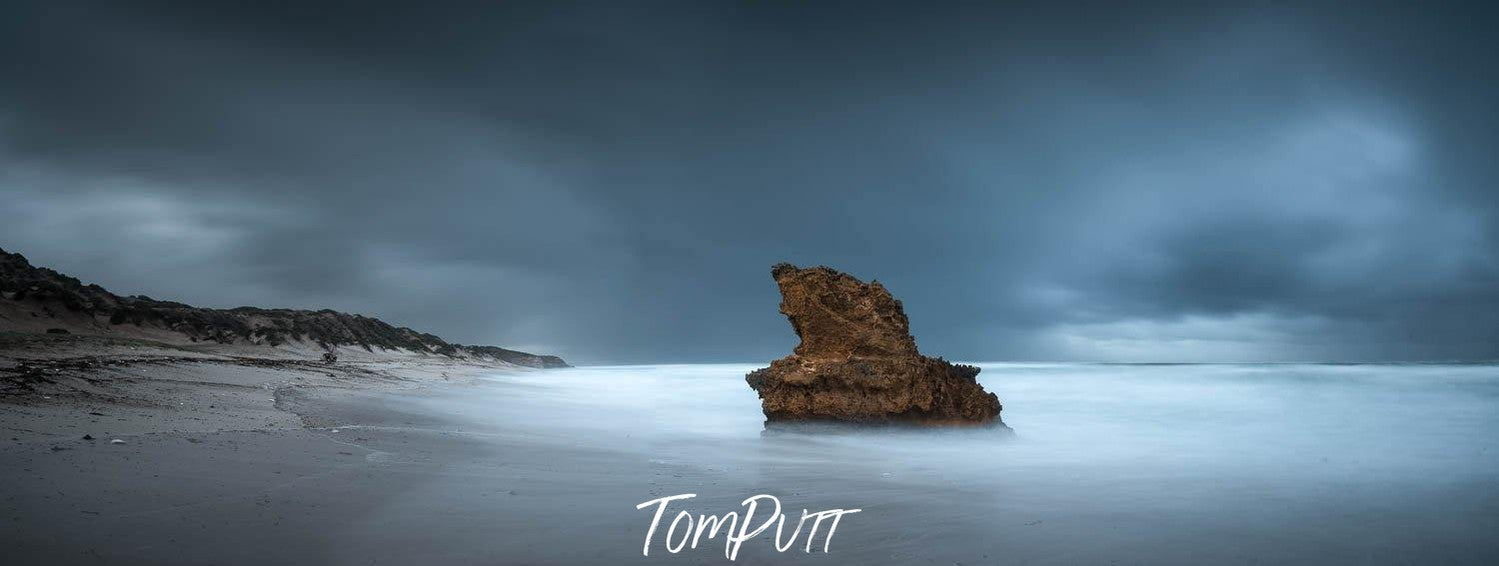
x,y
857,361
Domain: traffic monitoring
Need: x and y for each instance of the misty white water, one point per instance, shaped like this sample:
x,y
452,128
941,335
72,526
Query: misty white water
x,y
1269,463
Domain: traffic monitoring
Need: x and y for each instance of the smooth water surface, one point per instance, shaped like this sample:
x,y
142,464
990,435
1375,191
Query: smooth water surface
x,y
1274,463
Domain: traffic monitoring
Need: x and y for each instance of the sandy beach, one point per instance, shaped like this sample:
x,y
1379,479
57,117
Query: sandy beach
x,y
113,445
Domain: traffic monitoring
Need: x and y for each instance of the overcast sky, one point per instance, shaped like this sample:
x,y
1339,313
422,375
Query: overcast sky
x,y
612,181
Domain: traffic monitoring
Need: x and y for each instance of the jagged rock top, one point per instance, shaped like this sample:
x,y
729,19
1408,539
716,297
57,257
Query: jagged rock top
x,y
837,316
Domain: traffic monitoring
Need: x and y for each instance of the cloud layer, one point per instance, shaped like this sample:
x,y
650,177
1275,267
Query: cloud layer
x,y
611,182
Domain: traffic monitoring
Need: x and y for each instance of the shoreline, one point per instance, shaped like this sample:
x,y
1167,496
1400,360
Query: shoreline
x,y
399,465
62,388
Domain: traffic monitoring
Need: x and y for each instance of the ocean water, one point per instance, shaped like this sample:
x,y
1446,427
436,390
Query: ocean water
x,y
1240,463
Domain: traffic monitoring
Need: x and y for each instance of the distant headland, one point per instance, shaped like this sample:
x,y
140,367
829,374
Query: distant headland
x,y
40,300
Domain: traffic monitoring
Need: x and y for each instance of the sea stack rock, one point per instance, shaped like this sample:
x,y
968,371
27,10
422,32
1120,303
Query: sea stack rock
x,y
858,363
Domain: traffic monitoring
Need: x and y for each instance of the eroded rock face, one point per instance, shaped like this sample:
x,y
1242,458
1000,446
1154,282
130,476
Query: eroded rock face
x,y
857,361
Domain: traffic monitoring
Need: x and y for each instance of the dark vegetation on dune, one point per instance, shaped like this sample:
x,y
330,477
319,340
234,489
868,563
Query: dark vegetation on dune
x,y
22,282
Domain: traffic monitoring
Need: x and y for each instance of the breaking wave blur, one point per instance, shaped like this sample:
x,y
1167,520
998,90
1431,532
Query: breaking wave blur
x,y
1273,417
1283,463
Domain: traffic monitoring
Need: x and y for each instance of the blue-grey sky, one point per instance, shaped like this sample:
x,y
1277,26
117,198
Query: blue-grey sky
x,y
611,181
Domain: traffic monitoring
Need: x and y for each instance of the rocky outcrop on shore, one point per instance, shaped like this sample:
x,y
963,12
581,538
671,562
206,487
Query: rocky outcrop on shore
x,y
40,299
857,361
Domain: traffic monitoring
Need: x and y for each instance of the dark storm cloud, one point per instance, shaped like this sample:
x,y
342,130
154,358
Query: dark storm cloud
x,y
611,181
